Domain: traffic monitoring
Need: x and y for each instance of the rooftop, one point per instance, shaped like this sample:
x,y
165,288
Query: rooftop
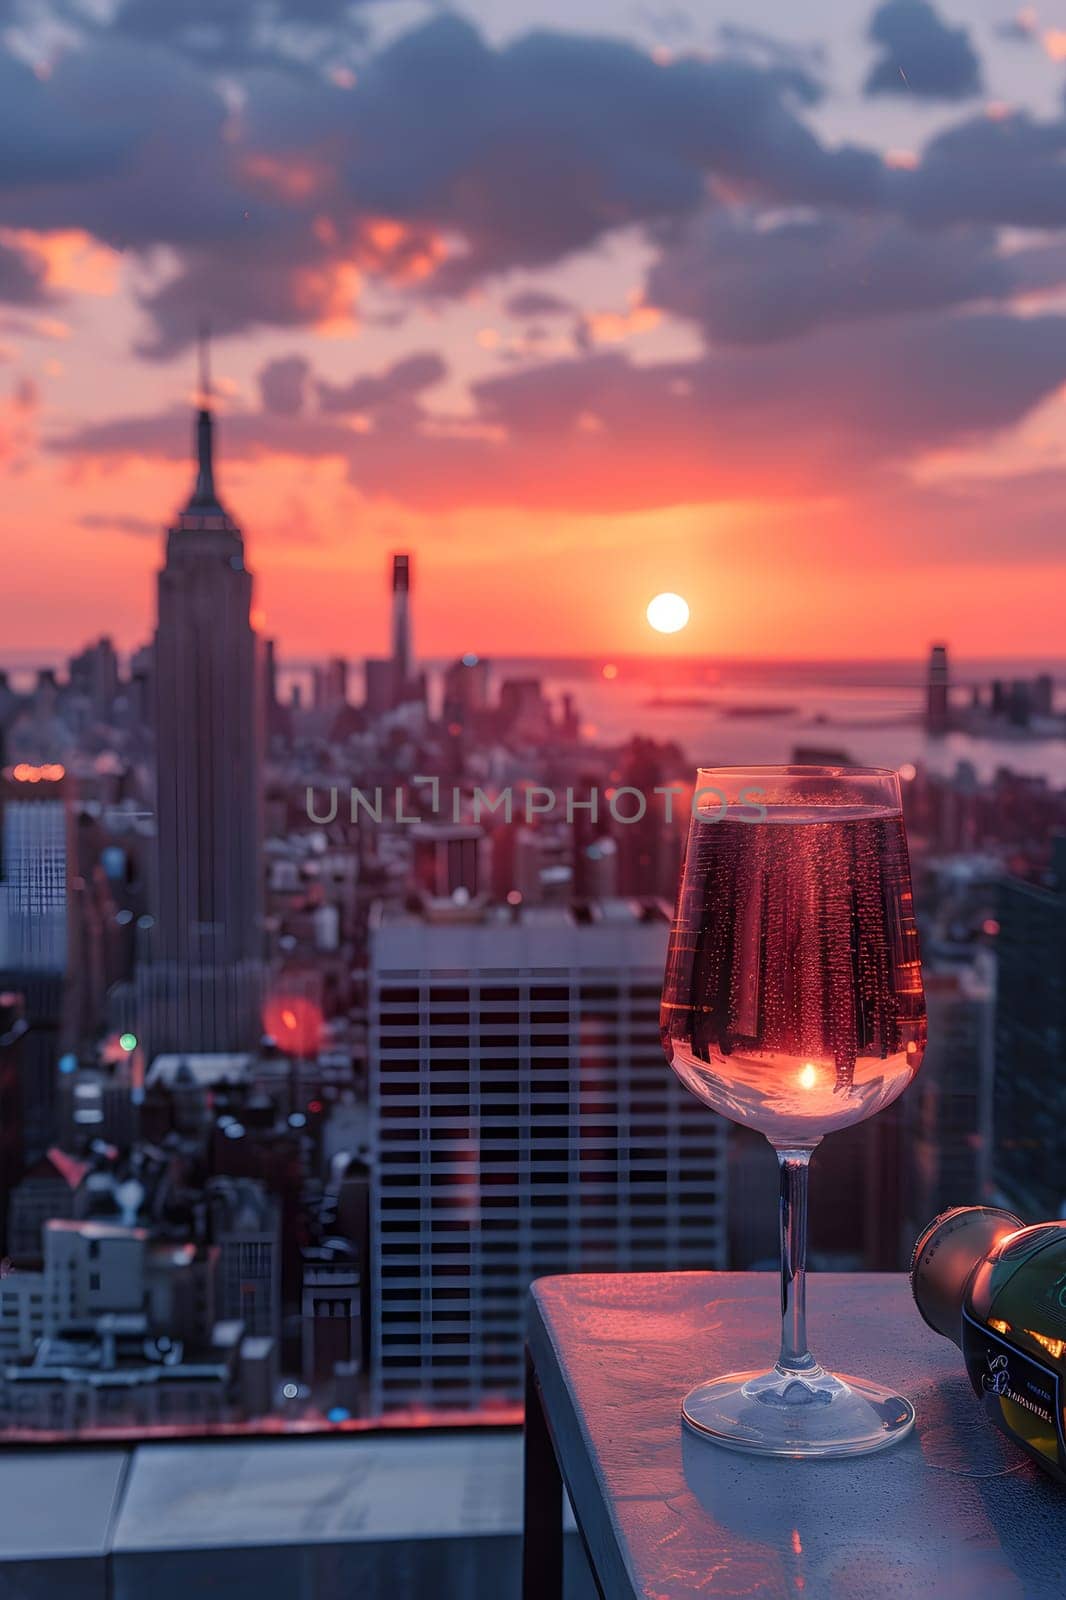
x,y
603,933
433,1514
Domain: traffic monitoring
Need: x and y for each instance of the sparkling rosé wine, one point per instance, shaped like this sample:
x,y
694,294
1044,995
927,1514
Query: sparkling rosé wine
x,y
793,996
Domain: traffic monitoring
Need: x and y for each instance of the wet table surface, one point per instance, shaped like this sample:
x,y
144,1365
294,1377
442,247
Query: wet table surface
x,y
955,1510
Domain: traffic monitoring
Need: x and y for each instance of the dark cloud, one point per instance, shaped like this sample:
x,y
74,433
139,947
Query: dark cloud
x,y
1038,268
132,150
921,54
600,433
45,139
538,303
451,160
140,148
1002,169
274,200
870,391
532,152
22,277
746,279
284,282
222,35
283,385
399,385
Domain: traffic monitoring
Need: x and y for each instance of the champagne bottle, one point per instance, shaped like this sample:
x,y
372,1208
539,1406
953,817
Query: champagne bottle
x,y
998,1289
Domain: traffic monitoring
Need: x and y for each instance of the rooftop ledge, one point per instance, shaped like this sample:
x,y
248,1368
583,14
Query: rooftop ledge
x,y
954,1509
296,1519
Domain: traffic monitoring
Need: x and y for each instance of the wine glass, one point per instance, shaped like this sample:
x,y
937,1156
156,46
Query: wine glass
x,y
793,1004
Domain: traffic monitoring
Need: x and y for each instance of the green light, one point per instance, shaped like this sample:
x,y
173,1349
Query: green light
x,y
127,1041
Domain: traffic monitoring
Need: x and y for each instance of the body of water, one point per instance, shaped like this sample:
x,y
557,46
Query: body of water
x,y
759,712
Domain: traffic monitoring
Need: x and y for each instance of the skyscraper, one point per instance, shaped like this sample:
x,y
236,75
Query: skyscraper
x,y
937,701
33,931
401,619
523,1122
1030,1073
94,677
950,1105
205,977
392,682
12,1029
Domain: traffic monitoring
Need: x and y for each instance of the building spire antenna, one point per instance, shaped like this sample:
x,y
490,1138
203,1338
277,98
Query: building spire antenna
x,y
204,350
204,494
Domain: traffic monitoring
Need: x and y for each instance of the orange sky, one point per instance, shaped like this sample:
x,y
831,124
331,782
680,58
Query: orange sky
x,y
882,470
786,581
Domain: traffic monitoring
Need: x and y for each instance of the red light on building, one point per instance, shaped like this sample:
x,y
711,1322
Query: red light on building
x,y
294,1023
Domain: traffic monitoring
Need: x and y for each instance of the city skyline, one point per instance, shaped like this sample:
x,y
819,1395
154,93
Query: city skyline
x,y
532,690
802,363
224,1217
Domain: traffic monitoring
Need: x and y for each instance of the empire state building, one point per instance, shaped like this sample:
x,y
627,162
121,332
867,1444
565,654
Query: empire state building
x,y
205,980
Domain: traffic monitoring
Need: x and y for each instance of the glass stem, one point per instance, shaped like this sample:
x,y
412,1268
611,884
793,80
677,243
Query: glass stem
x,y
794,1357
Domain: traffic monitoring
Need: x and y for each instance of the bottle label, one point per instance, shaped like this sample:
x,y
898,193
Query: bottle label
x,y
1020,1394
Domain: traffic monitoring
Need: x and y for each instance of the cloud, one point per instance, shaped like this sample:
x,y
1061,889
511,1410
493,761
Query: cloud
x,y
399,385
921,54
141,148
123,141
1039,268
538,303
451,160
1003,169
277,192
23,278
601,433
283,385
746,278
615,327
533,151
43,141
843,398
223,34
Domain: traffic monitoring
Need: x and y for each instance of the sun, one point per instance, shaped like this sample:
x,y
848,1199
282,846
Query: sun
x,y
668,613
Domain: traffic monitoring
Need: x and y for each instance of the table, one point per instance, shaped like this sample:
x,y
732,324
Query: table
x,y
955,1511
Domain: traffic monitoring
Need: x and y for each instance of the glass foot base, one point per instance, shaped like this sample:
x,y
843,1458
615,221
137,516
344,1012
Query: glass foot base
x,y
782,1413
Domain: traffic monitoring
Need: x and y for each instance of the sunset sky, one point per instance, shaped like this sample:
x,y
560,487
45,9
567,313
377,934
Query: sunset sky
x,y
761,303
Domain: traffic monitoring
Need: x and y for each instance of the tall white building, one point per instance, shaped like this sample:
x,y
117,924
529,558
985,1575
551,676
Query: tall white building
x,y
524,1122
